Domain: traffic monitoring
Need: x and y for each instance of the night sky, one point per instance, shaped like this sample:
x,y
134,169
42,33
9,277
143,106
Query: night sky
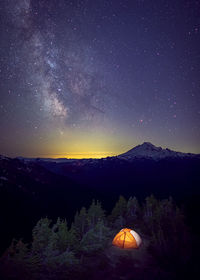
x,y
94,78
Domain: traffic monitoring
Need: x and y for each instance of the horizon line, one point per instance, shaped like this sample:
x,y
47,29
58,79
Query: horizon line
x,y
88,155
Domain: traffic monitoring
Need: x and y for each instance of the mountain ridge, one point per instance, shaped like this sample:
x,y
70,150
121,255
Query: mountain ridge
x,y
30,189
144,150
148,150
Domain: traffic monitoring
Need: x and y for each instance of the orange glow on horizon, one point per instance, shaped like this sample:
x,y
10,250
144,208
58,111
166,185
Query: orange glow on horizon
x,y
80,155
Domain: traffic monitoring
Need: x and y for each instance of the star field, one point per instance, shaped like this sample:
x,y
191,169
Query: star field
x,y
94,78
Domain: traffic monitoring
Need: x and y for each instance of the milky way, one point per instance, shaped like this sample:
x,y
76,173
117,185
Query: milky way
x,y
114,73
64,82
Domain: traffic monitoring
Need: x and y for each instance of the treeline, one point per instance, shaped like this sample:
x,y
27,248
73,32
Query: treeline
x,y
84,250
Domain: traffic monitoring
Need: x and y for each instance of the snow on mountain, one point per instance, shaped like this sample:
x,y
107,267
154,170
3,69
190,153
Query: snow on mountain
x,y
143,151
148,150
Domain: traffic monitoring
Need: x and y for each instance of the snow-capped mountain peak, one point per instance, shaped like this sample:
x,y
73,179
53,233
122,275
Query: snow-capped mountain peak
x,y
148,150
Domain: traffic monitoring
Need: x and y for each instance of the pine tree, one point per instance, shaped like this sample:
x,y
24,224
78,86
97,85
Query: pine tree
x,y
58,250
133,211
17,250
120,209
151,214
150,206
95,214
96,238
65,237
18,255
120,222
41,236
80,225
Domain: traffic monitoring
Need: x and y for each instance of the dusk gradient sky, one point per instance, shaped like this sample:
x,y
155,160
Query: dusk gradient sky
x,y
94,78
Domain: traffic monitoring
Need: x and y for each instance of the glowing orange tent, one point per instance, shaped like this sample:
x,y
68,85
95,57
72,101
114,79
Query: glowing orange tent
x,y
127,238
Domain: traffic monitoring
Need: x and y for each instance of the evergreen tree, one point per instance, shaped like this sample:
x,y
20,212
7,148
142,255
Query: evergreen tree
x,y
96,238
18,250
119,209
120,222
65,237
133,211
41,236
95,214
67,258
151,214
18,255
80,225
164,224
56,250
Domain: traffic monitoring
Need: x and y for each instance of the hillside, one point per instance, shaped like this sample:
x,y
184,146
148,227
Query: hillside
x,y
34,188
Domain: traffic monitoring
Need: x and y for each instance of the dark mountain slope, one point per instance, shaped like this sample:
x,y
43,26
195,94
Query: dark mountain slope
x,y
141,176
30,189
